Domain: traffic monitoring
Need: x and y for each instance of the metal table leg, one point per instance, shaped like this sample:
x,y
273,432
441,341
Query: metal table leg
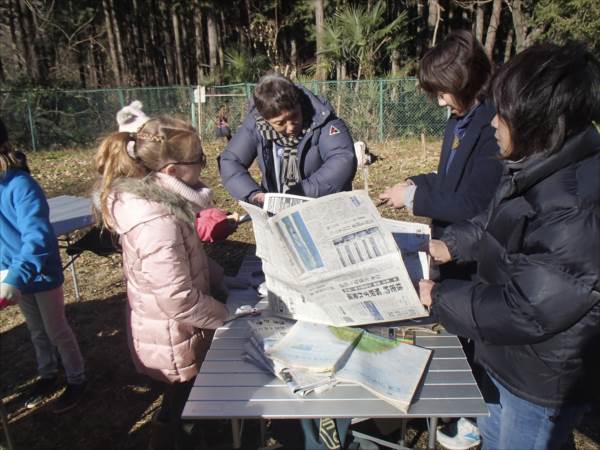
x,y
73,271
237,426
432,431
4,417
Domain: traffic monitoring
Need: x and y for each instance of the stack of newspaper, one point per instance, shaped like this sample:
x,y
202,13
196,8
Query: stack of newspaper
x,y
266,333
334,260
314,357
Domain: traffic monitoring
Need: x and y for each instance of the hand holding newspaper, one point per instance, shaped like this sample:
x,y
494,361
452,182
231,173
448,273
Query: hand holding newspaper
x,y
334,260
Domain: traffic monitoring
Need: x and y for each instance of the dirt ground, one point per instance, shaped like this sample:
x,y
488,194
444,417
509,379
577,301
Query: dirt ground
x,y
116,412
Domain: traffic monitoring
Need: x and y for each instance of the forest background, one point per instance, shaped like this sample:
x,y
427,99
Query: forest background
x,y
98,44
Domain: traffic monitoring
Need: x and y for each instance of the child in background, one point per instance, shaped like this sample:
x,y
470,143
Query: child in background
x,y
150,193
222,125
31,276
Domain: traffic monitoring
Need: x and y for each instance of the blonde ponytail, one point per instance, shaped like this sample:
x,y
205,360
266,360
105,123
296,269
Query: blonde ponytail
x,y
112,161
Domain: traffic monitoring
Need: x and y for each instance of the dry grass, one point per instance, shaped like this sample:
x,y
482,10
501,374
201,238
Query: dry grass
x,y
116,413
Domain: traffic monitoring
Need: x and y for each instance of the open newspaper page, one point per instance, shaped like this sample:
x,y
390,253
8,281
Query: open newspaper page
x,y
410,237
389,369
265,332
314,347
269,246
346,268
275,202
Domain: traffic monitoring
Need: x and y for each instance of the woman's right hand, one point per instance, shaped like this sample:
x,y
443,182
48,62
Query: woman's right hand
x,y
438,250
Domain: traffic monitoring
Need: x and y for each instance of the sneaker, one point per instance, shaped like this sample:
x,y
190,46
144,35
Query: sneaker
x,y
70,397
460,435
40,392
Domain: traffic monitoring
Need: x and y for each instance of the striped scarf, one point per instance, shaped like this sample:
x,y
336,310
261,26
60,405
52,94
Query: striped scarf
x,y
290,171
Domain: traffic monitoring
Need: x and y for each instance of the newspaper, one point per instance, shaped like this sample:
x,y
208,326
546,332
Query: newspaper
x,y
333,260
389,369
265,332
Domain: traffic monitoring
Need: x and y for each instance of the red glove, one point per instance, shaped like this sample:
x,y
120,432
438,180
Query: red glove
x,y
213,225
4,302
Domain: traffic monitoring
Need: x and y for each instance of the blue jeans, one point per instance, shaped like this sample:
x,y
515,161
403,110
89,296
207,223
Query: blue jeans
x,y
45,316
517,424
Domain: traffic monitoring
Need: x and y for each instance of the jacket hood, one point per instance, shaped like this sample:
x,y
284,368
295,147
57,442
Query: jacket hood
x,y
137,200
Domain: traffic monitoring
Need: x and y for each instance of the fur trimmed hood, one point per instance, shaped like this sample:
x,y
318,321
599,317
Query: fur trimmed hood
x,y
138,200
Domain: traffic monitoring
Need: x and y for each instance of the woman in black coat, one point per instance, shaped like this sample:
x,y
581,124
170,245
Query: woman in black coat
x,y
533,309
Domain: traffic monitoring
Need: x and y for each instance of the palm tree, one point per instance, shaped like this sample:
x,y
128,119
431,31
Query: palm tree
x,y
359,35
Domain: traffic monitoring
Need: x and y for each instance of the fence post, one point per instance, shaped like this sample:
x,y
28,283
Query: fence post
x,y
31,124
247,90
380,110
121,97
192,106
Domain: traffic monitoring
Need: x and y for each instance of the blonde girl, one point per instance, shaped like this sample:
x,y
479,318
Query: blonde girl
x,y
150,195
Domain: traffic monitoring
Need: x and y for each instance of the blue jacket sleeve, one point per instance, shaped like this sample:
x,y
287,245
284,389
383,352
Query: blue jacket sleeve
x,y
475,192
235,161
37,234
339,163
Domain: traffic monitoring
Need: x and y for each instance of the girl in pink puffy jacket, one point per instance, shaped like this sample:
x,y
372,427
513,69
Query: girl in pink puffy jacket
x,y
150,194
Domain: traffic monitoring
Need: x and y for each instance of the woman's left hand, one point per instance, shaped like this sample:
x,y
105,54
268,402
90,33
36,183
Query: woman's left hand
x,y
425,288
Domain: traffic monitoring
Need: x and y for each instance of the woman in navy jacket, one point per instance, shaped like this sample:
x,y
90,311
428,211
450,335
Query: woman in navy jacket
x,y
456,73
300,145
533,309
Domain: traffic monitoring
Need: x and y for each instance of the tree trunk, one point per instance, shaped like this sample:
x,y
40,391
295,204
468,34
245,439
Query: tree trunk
x,y
220,36
91,66
294,54
520,24
479,22
2,75
178,55
27,39
508,47
432,20
212,41
111,43
14,43
199,47
118,42
420,34
142,75
490,37
395,59
318,4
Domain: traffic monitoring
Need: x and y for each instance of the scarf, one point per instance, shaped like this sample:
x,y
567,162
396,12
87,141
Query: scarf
x,y
290,170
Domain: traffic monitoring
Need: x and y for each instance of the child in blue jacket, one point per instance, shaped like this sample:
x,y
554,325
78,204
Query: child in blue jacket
x,y
31,276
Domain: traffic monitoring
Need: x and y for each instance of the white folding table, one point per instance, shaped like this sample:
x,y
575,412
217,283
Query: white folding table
x,y
229,387
68,214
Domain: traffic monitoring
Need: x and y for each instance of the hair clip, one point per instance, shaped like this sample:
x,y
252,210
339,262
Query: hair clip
x,y
150,137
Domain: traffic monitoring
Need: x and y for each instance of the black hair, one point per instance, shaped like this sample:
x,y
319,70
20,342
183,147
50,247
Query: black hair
x,y
3,133
546,94
275,94
10,158
459,66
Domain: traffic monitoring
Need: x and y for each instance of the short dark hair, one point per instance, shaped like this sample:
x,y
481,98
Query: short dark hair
x,y
459,66
546,94
275,94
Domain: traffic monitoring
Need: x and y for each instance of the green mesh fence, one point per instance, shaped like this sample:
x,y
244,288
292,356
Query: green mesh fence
x,y
375,110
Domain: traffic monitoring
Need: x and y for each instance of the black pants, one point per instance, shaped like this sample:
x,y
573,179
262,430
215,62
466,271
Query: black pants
x,y
174,398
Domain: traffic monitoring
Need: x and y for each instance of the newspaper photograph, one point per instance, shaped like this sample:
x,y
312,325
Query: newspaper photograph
x,y
333,260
